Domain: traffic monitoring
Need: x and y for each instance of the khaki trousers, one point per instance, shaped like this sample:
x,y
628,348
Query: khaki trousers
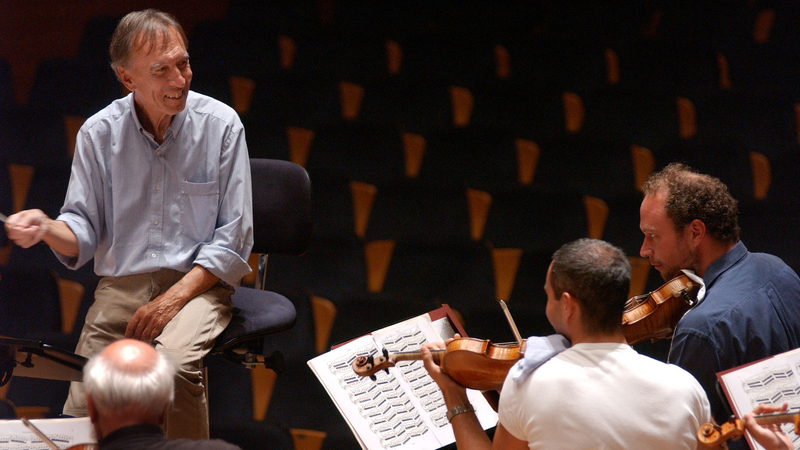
x,y
186,339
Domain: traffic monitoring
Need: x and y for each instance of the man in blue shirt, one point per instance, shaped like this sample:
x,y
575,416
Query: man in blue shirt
x,y
751,303
160,196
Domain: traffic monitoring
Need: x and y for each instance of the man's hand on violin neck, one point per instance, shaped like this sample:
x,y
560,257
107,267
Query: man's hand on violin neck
x,y
454,394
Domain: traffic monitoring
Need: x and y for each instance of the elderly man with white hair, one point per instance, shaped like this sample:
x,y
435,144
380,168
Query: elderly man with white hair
x,y
129,390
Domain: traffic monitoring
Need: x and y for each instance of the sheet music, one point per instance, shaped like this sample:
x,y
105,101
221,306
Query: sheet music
x,y
14,435
403,409
772,381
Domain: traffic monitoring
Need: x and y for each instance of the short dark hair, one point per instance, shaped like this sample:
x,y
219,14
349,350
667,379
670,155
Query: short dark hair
x,y
692,195
150,24
598,275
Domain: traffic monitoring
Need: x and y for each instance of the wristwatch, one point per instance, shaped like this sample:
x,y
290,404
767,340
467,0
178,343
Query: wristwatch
x,y
456,410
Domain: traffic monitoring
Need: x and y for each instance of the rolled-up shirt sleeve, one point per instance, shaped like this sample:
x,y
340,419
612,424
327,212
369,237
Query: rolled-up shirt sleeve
x,y
83,206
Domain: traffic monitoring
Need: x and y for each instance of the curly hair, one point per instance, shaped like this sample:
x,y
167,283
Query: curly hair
x,y
692,195
598,275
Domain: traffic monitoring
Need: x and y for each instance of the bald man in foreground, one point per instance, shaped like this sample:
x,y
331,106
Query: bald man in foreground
x,y
129,389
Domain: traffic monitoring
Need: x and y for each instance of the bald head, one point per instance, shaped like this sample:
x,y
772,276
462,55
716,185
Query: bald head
x,y
130,377
130,356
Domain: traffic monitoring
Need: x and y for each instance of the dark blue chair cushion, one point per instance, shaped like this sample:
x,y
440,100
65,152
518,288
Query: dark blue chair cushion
x,y
256,313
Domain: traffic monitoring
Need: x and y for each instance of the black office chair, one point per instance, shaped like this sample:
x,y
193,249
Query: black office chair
x,y
282,222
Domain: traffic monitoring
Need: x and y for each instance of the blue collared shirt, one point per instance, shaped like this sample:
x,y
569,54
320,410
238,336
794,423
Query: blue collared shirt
x,y
751,310
137,206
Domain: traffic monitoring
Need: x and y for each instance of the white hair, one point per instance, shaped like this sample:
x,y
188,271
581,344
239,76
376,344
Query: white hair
x,y
114,389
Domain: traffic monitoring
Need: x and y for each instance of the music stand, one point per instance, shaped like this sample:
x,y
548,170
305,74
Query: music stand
x,y
35,359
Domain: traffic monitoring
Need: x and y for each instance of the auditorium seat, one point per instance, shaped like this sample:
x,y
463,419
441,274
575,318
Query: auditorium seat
x,y
38,138
382,102
456,59
646,118
351,54
330,268
30,302
526,304
725,158
81,84
763,122
324,316
269,141
647,64
289,98
551,58
473,156
458,274
357,151
423,104
534,220
769,66
599,167
219,51
769,225
415,210
528,110
333,206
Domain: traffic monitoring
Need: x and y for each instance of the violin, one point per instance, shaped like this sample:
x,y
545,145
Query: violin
x,y
712,436
655,315
472,363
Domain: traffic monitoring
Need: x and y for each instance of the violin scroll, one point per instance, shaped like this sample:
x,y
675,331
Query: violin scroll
x,y
712,436
368,366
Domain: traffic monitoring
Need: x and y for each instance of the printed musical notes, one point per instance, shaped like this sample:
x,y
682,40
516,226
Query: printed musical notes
x,y
401,409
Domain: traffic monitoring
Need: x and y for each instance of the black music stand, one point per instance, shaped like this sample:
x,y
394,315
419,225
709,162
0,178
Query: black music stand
x,y
35,359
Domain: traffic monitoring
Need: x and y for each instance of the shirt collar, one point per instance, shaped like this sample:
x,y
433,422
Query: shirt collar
x,y
132,430
701,293
132,105
174,126
177,121
723,263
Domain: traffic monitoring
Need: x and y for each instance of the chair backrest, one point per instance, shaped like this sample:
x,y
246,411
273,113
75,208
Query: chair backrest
x,y
282,208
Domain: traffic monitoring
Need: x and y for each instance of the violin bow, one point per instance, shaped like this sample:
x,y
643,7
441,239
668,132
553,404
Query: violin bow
x,y
511,322
39,433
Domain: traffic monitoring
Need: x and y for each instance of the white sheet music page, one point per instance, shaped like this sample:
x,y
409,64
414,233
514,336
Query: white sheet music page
x,y
403,409
771,381
63,432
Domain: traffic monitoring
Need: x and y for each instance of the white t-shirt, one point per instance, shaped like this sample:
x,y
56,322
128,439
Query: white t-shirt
x,y
604,396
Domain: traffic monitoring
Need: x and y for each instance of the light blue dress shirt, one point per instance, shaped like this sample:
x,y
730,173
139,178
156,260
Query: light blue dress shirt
x,y
137,206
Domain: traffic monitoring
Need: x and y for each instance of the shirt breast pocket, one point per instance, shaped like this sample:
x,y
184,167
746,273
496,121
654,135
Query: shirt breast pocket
x,y
199,206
